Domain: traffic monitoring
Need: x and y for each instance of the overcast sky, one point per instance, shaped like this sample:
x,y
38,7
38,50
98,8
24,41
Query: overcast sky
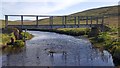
x,y
50,7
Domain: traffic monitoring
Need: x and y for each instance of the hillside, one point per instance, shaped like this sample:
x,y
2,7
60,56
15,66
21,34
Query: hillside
x,y
109,10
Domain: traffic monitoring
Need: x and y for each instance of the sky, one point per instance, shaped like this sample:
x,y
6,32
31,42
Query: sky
x,y
49,7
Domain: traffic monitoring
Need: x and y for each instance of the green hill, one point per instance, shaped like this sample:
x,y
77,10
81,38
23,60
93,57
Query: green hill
x,y
109,10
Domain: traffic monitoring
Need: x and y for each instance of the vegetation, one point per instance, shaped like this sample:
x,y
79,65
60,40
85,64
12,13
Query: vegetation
x,y
13,39
26,35
109,41
68,31
73,31
19,43
5,39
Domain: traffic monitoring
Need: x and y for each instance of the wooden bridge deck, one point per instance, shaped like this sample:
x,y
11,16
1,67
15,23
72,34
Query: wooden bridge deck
x,y
55,26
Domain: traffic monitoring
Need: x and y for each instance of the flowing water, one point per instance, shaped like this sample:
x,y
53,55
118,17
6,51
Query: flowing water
x,y
51,49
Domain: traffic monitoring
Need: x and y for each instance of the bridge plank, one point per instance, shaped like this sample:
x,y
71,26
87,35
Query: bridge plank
x,y
54,26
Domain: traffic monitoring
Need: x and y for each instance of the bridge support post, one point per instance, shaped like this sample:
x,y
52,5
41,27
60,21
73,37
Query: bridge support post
x,y
6,20
37,21
78,21
51,21
21,21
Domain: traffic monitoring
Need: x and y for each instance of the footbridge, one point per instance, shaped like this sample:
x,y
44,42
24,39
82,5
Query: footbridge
x,y
51,22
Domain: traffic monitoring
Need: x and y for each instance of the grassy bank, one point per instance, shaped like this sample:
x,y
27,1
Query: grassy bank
x,y
67,31
13,38
109,41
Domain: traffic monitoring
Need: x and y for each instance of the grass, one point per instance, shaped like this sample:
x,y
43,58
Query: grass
x,y
27,35
74,31
5,39
8,33
109,41
99,11
68,31
19,43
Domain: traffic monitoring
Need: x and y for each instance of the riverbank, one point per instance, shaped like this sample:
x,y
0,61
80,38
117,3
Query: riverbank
x,y
13,38
107,40
67,31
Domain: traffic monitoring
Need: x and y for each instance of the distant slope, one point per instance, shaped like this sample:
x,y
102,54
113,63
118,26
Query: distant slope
x,y
99,11
23,20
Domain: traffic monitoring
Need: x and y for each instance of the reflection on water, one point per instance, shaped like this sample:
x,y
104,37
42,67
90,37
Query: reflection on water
x,y
51,49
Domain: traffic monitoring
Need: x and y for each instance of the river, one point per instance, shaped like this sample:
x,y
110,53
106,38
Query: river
x,y
52,49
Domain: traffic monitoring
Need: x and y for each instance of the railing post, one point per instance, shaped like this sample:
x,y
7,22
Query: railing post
x,y
87,20
6,20
78,21
102,23
65,21
75,20
69,17
81,18
62,20
22,21
96,20
91,21
37,21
